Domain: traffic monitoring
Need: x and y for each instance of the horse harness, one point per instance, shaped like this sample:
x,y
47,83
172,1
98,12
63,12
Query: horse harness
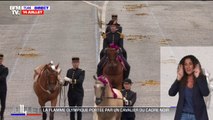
x,y
117,58
103,94
48,79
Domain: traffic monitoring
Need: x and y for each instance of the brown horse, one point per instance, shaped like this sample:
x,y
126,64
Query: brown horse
x,y
113,69
47,88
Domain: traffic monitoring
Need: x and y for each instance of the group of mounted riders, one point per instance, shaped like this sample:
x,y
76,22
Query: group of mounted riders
x,y
113,38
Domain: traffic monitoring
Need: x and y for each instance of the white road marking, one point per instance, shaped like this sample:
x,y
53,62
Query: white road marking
x,y
26,39
158,25
103,20
103,24
156,21
99,41
93,4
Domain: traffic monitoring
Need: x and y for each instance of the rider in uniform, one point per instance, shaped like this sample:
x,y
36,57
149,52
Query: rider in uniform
x,y
3,86
114,19
129,98
113,37
75,78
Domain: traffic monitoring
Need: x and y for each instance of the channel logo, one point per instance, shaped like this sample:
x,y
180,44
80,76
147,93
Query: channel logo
x,y
25,111
29,10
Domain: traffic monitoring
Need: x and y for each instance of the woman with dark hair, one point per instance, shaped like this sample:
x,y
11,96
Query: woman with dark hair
x,y
191,84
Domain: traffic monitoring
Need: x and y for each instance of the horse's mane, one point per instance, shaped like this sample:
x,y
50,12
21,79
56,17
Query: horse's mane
x,y
45,69
105,81
113,45
118,58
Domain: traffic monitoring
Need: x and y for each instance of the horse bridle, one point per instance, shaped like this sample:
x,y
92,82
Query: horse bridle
x,y
48,79
117,53
103,95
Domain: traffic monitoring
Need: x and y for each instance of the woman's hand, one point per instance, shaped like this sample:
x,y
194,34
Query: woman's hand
x,y
180,72
197,70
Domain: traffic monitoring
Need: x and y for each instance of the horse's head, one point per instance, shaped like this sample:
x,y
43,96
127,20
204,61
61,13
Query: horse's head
x,y
52,75
112,54
103,89
99,88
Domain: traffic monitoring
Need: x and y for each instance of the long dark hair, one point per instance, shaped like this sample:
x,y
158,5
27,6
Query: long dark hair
x,y
195,61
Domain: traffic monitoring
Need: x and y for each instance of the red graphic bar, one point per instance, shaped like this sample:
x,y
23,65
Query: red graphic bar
x,y
32,12
33,114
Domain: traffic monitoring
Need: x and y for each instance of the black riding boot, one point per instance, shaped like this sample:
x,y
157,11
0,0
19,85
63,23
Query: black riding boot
x,y
124,54
127,71
99,69
102,54
100,66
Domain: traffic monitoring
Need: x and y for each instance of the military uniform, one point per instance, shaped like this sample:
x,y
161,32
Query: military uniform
x,y
114,19
130,97
3,89
117,39
119,29
76,91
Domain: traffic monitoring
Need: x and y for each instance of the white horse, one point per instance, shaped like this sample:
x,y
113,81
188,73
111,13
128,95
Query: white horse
x,y
210,85
105,95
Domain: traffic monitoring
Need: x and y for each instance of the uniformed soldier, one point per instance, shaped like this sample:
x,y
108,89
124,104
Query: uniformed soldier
x,y
3,86
116,38
115,20
75,78
129,97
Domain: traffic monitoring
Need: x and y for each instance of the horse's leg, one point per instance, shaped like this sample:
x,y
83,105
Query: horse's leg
x,y
120,87
99,116
119,82
53,104
118,116
44,114
115,116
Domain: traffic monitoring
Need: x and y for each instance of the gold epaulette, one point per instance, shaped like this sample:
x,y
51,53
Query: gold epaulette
x,y
121,35
104,35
